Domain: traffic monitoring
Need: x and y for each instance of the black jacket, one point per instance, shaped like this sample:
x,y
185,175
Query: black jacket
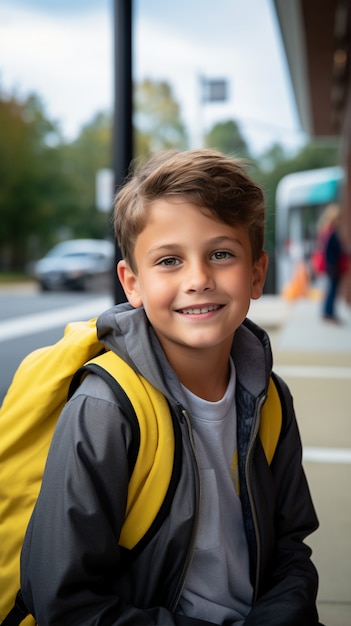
x,y
74,572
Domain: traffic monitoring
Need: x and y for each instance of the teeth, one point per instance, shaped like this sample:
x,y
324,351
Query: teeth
x,y
198,311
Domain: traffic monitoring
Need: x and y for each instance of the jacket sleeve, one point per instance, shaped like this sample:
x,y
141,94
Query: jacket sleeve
x,y
71,561
289,581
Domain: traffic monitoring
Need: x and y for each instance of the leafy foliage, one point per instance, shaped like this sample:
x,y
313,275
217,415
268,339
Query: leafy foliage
x,y
32,184
83,158
47,186
226,137
157,119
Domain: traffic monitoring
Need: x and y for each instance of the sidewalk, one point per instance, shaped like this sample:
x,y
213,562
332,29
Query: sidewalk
x,y
300,335
314,357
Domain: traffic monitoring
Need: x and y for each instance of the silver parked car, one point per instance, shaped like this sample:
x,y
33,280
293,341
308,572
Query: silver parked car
x,y
79,264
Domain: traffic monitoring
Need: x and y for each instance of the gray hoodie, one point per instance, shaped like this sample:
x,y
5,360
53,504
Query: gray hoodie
x,y
74,572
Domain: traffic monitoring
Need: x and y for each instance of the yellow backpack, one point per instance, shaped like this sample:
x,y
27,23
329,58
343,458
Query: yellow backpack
x,y
28,417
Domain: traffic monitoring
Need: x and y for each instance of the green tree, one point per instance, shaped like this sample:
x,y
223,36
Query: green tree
x,y
48,187
157,121
83,158
226,137
272,157
32,184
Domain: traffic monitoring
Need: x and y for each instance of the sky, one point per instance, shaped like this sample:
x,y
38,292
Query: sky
x,y
62,50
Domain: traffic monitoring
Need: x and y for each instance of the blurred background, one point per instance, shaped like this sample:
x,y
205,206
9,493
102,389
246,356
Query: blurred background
x,y
86,86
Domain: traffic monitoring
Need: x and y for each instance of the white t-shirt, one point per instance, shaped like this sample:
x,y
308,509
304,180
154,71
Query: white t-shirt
x,y
218,587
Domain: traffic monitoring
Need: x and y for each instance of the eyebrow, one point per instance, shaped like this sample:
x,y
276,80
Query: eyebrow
x,y
171,248
168,248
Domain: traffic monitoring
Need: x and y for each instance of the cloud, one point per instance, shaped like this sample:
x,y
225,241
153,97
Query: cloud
x,y
67,61
243,50
66,57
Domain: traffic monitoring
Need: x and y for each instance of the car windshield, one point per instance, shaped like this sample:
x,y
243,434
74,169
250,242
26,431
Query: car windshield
x,y
69,250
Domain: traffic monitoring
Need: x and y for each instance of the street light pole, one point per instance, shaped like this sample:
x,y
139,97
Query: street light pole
x,y
123,105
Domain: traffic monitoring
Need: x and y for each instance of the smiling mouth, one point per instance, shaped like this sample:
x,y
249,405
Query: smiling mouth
x,y
200,310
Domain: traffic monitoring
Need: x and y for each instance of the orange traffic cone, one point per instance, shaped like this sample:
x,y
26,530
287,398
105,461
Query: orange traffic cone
x,y
298,286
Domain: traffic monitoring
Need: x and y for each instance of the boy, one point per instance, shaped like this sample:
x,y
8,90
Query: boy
x,y
229,549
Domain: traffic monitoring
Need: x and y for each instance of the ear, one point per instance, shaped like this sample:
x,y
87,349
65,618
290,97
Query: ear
x,y
129,282
259,272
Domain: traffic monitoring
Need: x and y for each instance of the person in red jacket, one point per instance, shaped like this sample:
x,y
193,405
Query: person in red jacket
x,y
335,259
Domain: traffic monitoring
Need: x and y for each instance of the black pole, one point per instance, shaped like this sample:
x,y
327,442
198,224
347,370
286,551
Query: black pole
x,y
123,105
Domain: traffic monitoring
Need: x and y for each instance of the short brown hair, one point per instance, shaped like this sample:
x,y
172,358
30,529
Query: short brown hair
x,y
204,177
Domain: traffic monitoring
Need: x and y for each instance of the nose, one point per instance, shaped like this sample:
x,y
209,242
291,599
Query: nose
x,y
199,278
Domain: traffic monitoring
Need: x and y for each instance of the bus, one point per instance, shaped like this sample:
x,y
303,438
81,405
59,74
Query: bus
x,y
300,199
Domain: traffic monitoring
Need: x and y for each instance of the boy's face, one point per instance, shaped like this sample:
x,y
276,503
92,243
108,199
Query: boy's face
x,y
195,277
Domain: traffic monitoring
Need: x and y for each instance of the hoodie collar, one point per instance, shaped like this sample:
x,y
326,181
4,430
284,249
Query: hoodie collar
x,y
128,332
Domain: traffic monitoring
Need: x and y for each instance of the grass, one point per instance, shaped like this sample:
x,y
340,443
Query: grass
x,y
8,278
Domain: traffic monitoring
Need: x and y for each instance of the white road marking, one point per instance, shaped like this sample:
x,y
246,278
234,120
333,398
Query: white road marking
x,y
313,371
310,453
37,322
327,455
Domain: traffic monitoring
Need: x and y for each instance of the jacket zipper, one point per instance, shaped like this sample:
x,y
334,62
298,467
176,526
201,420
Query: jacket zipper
x,y
250,494
190,553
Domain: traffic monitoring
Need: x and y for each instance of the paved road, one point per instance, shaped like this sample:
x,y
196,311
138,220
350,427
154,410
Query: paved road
x,y
30,319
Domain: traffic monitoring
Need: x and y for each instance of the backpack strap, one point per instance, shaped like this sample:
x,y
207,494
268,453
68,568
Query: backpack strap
x,y
147,410
271,419
123,402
